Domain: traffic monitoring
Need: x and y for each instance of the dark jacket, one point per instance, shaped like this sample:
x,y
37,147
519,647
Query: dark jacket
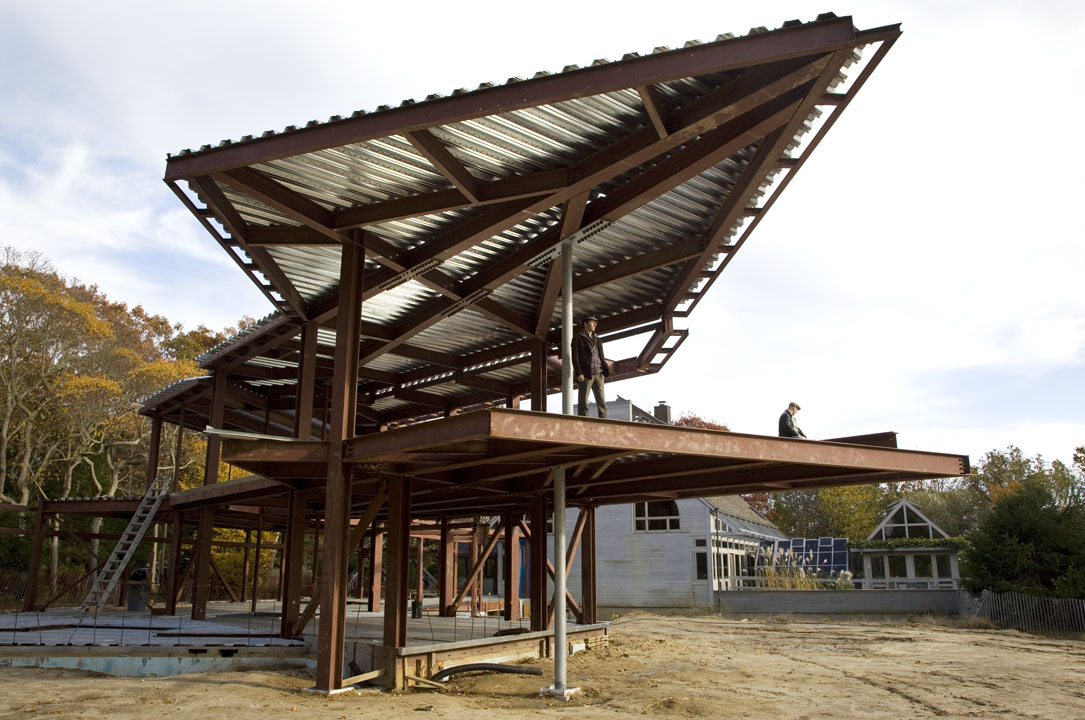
x,y
788,428
582,355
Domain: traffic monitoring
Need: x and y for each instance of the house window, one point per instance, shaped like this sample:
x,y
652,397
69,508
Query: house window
x,y
656,515
877,567
702,565
898,567
922,566
943,566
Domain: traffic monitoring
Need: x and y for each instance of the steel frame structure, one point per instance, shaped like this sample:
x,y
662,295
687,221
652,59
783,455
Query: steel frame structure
x,y
411,254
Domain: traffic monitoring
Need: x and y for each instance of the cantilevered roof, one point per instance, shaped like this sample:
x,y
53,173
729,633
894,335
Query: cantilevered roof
x,y
492,460
656,166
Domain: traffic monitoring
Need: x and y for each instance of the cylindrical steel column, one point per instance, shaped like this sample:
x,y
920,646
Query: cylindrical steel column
x,y
559,580
566,328
559,472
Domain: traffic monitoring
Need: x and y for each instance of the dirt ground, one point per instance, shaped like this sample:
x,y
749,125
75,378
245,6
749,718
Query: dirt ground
x,y
655,665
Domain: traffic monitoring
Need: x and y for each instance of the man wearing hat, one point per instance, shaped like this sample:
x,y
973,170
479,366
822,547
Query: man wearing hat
x,y
589,367
788,428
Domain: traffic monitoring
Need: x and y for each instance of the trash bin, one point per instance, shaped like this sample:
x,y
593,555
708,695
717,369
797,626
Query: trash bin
x,y
139,588
416,609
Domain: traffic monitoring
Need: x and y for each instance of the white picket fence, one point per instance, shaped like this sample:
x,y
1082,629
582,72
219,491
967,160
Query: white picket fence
x,y
1025,612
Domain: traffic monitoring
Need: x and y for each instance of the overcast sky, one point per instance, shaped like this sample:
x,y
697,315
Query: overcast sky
x,y
923,273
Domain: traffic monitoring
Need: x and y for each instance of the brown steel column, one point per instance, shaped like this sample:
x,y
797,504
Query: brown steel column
x,y
303,398
256,569
177,451
421,568
588,604
362,553
245,564
474,604
344,387
376,553
153,449
537,382
31,599
313,575
174,570
511,568
539,596
201,571
293,555
201,563
399,535
446,571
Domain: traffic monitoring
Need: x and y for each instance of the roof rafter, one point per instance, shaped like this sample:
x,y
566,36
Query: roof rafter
x,y
431,148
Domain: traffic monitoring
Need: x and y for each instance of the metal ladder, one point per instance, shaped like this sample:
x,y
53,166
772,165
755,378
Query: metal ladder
x,y
137,527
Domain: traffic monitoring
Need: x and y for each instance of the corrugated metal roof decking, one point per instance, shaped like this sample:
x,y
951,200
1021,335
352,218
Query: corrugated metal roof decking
x,y
458,198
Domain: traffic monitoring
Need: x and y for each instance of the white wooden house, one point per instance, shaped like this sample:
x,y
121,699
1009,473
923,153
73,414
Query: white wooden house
x,y
669,553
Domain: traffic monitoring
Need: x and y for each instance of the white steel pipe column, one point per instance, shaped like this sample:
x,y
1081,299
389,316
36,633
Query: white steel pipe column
x,y
567,328
560,644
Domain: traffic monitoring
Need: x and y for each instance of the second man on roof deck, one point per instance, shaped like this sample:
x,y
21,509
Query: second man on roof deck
x,y
589,367
788,428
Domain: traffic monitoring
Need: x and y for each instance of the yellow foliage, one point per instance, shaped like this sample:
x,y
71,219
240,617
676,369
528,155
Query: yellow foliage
x,y
160,373
80,386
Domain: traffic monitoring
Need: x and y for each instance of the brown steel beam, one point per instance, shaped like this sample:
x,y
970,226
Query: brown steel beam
x,y
433,150
274,194
706,152
201,557
337,489
549,299
570,554
399,533
538,566
306,380
293,558
376,556
224,210
887,37
653,106
177,529
30,599
740,116
256,571
356,535
517,187
446,570
475,571
589,605
226,245
153,449
511,567
684,250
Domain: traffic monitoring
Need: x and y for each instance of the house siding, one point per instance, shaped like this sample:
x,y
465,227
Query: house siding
x,y
645,569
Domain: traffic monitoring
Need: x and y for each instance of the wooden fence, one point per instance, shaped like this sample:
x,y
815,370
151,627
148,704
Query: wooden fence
x,y
1025,612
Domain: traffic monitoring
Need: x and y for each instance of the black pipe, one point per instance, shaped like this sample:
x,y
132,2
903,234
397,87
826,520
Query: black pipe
x,y
490,667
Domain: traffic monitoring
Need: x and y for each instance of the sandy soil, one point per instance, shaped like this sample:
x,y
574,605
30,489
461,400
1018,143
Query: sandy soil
x,y
660,666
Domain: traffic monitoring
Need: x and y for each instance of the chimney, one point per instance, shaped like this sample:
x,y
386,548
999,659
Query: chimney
x,y
662,411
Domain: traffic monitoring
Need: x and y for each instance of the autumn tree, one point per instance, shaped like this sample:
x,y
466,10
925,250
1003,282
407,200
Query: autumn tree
x,y
50,338
74,367
1028,543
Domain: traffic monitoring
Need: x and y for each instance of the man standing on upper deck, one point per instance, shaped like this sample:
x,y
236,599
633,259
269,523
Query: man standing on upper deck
x,y
589,367
788,428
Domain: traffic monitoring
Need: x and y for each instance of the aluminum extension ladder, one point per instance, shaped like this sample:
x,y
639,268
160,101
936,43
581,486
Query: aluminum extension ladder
x,y
118,560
